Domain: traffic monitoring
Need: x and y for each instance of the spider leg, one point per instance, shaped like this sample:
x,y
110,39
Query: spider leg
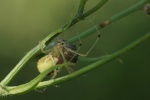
x,y
75,52
70,70
78,36
54,74
98,37
42,48
55,70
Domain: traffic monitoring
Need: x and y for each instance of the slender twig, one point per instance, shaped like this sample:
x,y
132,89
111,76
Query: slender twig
x,y
30,85
111,20
92,59
81,7
81,15
97,64
19,66
95,8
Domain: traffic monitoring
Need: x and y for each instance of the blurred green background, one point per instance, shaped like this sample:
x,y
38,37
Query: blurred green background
x,y
23,23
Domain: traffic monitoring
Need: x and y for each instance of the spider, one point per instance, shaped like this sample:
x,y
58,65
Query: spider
x,y
61,52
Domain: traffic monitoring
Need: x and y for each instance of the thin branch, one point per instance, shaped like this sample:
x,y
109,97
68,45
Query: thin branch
x,y
81,7
28,86
111,20
97,64
124,13
19,66
95,8
23,88
81,16
93,59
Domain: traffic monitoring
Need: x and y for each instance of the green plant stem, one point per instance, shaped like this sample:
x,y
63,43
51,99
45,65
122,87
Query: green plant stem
x,y
92,59
130,10
81,15
19,66
28,86
112,19
81,7
33,84
97,64
95,8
